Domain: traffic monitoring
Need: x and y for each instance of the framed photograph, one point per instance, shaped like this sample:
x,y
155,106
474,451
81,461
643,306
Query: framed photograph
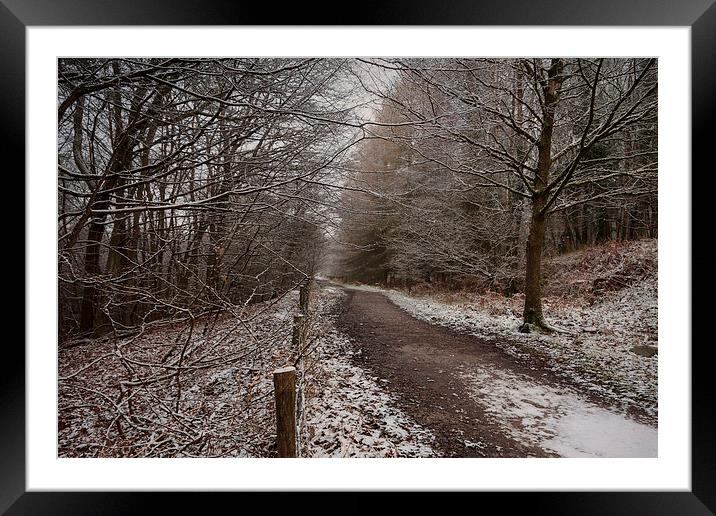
x,y
434,249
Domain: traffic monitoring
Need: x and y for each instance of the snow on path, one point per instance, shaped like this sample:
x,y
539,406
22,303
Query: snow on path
x,y
352,416
557,419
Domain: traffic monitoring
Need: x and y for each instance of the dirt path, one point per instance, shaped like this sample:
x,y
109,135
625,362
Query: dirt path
x,y
433,372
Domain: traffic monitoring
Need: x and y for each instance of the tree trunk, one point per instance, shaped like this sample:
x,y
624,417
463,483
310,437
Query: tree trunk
x,y
532,315
88,307
89,293
533,276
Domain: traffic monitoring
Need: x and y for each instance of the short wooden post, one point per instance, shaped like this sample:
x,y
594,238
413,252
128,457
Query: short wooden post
x,y
297,340
284,384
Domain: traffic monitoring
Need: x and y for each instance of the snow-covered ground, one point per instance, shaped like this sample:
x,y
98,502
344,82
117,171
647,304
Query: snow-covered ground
x,y
597,353
124,398
349,412
557,419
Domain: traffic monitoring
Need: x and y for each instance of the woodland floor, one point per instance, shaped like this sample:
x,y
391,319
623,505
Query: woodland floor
x,y
476,399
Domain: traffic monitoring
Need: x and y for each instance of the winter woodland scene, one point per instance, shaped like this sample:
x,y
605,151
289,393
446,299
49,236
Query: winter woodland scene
x,y
357,257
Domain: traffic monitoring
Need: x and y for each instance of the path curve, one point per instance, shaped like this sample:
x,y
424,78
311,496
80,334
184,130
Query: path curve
x,y
477,400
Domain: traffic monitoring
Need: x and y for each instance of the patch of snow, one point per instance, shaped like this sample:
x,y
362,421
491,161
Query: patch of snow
x,y
600,433
557,419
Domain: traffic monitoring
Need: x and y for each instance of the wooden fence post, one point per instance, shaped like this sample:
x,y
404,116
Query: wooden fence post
x,y
297,340
284,383
303,298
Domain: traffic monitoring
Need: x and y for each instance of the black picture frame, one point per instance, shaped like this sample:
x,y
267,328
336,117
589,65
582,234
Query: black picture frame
x,y
16,15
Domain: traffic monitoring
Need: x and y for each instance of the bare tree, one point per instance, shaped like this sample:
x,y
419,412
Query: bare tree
x,y
190,182
550,132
